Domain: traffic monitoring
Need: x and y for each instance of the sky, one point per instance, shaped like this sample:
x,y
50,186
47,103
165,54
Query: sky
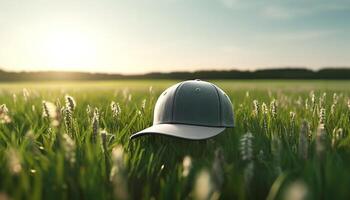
x,y
139,36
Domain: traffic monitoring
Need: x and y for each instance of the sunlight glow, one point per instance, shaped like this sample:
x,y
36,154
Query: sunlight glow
x,y
69,49
132,37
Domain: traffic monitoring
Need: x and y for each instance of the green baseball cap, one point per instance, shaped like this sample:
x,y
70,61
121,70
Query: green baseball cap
x,y
192,109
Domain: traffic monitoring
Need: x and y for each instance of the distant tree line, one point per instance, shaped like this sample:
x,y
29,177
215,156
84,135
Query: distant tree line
x,y
281,73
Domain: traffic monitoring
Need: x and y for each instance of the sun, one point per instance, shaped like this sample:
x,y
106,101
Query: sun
x,y
69,50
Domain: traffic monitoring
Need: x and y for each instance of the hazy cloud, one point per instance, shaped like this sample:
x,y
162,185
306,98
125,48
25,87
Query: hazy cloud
x,y
280,12
286,11
306,35
229,3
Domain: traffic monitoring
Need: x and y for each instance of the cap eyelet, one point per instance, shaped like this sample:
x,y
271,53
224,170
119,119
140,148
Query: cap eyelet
x,y
197,90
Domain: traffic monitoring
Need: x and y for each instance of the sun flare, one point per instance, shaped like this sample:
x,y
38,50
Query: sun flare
x,y
64,50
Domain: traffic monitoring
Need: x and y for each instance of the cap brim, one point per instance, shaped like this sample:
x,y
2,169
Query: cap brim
x,y
192,132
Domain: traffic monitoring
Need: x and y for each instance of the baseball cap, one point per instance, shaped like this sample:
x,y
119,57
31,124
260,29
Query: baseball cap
x,y
191,109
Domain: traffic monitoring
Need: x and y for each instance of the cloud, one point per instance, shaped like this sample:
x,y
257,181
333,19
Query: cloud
x,y
305,35
288,10
229,3
280,12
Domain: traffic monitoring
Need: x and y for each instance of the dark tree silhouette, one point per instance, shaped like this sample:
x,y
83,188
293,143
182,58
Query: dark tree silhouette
x,y
280,73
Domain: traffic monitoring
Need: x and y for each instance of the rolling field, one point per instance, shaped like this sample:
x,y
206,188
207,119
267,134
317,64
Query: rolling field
x,y
70,140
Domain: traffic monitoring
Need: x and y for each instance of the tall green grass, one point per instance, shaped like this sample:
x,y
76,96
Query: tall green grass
x,y
290,138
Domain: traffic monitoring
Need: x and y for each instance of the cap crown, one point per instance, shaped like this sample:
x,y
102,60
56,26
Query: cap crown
x,y
195,103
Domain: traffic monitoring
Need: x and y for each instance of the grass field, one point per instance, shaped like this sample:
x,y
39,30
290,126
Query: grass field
x,y
291,141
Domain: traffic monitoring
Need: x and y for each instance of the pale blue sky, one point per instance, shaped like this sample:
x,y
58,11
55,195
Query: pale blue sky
x,y
137,36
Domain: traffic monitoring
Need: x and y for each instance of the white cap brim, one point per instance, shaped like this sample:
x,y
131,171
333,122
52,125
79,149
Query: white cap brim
x,y
181,130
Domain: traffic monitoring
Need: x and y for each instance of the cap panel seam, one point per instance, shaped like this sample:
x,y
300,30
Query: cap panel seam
x,y
174,99
220,111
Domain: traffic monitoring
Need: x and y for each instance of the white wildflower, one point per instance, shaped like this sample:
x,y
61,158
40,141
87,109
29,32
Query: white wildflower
x,y
14,161
292,116
335,98
322,116
70,103
321,141
50,111
115,107
307,104
256,107
69,148
117,159
4,114
246,146
203,186
14,96
313,101
264,111
104,134
333,109
25,93
337,136
45,109
139,113
264,108
68,119
88,110
95,123
296,191
322,100
143,105
273,108
117,174
186,165
3,109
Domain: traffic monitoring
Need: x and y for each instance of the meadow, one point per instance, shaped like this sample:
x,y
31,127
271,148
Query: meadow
x,y
70,140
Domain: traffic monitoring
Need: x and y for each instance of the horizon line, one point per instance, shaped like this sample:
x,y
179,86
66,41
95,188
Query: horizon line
x,y
2,68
